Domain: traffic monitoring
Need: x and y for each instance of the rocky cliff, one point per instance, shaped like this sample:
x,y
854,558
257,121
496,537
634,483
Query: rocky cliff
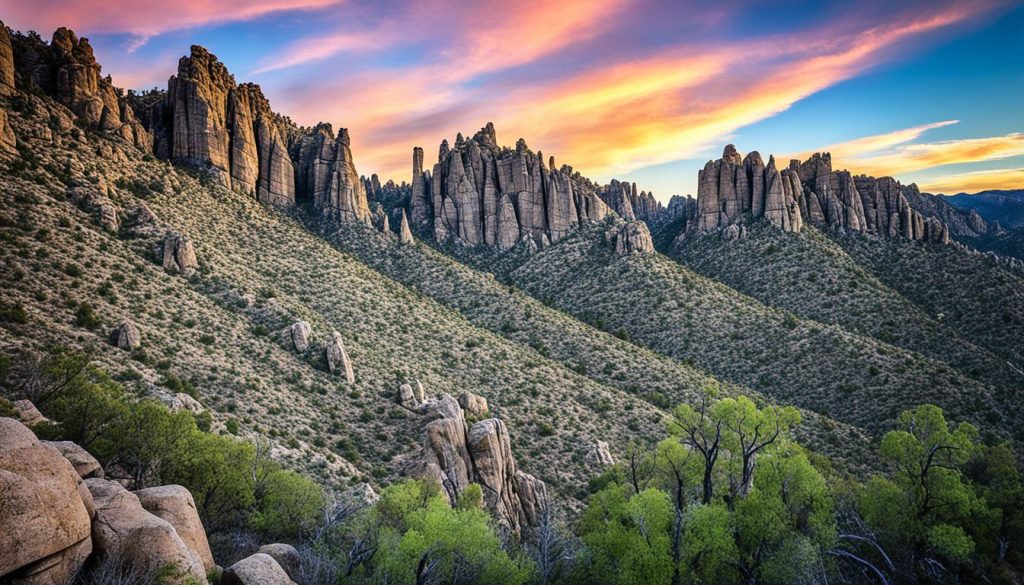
x,y
735,188
482,194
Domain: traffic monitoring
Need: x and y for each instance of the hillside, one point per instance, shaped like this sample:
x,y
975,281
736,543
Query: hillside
x,y
1006,207
815,278
679,313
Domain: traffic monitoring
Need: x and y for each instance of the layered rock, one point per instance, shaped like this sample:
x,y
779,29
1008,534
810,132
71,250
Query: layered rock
x,y
864,204
483,194
624,199
46,533
327,175
456,455
733,187
6,62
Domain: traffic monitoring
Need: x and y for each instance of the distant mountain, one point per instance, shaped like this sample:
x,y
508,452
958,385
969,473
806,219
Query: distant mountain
x,y
1006,207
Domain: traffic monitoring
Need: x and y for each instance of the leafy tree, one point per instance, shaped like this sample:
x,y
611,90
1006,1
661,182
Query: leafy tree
x,y
288,505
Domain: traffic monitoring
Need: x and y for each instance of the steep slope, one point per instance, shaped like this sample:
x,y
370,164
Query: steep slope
x,y
813,277
971,293
679,313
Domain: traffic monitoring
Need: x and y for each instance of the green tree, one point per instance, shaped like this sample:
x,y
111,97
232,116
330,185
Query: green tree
x,y
288,505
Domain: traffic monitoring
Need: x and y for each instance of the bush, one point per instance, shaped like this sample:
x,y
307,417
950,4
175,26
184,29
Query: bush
x,y
85,316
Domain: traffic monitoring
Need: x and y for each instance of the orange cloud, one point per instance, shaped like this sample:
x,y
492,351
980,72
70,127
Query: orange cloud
x,y
144,18
916,157
976,181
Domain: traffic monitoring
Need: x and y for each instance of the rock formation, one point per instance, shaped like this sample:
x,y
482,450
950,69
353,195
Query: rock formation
x,y
300,334
85,465
337,358
631,237
124,529
258,569
178,254
327,175
174,504
456,455
126,336
474,404
46,534
8,141
735,188
6,62
732,186
286,556
598,456
623,199
404,233
483,194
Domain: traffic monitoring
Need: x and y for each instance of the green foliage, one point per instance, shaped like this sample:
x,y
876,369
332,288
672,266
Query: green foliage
x,y
288,505
85,316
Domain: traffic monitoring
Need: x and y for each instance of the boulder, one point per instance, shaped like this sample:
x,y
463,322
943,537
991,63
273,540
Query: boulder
x,y
258,569
286,556
174,504
107,216
337,358
181,401
46,525
598,456
300,333
85,464
123,529
631,238
178,254
404,233
28,413
407,397
474,404
126,335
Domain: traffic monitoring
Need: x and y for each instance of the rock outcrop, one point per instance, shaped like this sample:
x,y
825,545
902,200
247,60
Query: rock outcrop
x,y
630,237
299,334
178,254
126,335
404,233
46,535
483,194
598,456
85,465
6,62
624,199
258,569
337,358
124,529
286,556
327,175
8,141
733,186
474,405
174,504
456,455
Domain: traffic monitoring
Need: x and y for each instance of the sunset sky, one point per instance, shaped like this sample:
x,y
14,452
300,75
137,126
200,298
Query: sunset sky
x,y
643,90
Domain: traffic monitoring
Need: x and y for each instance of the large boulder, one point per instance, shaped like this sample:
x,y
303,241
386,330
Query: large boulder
x,y
258,569
474,404
300,333
123,529
28,413
85,464
45,536
174,504
337,358
126,335
178,254
286,556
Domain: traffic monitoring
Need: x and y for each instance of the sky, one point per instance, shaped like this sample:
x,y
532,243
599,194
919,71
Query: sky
x,y
930,92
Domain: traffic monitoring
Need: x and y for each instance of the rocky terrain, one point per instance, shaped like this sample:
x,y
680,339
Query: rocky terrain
x,y
496,324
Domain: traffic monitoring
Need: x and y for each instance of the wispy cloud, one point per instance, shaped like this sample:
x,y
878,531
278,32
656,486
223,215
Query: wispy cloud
x,y
143,18
975,181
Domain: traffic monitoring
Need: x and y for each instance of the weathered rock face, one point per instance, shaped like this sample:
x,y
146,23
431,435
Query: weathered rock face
x,y
483,194
178,254
258,569
8,141
85,464
864,204
733,187
457,455
300,334
473,404
6,62
623,199
126,336
598,456
337,358
174,504
46,525
631,237
28,413
286,556
67,70
404,233
328,177
124,529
